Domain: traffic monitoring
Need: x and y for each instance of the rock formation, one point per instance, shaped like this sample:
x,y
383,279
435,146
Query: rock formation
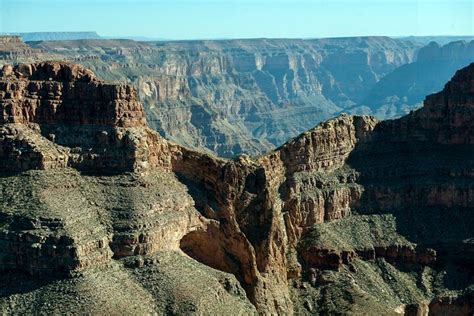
x,y
405,88
249,96
65,105
349,217
12,48
241,96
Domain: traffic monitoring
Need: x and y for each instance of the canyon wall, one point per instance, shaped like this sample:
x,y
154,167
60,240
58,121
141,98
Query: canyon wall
x,y
248,96
241,96
349,214
12,49
416,169
56,114
406,87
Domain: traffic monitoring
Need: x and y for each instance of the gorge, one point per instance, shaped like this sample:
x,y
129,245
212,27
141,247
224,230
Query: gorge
x,y
354,215
230,97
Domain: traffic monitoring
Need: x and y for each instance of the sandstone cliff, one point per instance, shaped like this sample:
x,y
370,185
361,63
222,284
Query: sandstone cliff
x,y
352,216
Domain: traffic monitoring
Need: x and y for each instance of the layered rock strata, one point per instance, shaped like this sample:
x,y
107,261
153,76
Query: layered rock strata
x,y
99,187
57,116
241,96
13,48
71,119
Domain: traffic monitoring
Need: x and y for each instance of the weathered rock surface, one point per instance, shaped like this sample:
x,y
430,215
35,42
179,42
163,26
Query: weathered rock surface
x,y
349,217
248,96
13,48
58,115
241,96
84,183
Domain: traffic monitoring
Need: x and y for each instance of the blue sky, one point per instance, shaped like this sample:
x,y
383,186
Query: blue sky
x,y
192,19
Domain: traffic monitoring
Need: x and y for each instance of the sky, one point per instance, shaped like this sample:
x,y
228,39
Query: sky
x,y
211,19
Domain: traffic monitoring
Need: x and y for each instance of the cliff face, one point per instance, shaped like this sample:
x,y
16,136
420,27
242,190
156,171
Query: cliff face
x,y
249,96
406,87
345,216
85,183
241,96
55,116
58,115
54,93
13,48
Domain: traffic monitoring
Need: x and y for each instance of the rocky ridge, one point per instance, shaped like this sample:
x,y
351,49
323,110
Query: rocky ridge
x,y
339,211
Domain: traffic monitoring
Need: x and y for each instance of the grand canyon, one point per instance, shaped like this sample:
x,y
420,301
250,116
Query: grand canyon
x,y
234,97
331,176
237,157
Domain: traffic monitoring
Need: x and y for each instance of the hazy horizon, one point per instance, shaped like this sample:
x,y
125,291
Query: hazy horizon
x,y
145,38
240,19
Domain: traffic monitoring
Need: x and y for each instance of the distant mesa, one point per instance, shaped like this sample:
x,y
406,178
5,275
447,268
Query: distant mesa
x,y
55,36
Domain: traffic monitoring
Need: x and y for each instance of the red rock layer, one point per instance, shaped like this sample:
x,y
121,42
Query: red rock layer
x,y
62,93
57,114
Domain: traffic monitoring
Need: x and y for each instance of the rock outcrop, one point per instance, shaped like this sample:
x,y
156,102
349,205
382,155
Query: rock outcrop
x,y
351,212
58,115
12,48
55,93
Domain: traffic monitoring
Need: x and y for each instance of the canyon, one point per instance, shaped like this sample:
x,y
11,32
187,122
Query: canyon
x,y
240,96
410,83
354,215
232,97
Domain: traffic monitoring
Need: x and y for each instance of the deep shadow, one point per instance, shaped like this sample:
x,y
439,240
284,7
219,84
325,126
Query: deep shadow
x,y
428,187
18,282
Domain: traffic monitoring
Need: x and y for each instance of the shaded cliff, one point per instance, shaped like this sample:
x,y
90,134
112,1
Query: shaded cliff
x,y
405,88
352,216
